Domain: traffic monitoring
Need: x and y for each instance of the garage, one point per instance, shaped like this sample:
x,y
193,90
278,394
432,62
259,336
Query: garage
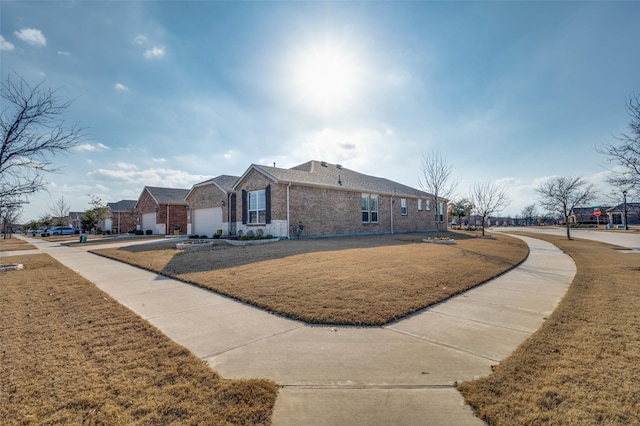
x,y
148,222
206,221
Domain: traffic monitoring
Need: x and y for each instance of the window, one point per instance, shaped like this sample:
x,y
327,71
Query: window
x,y
369,204
374,208
427,204
419,204
365,208
257,207
403,206
441,212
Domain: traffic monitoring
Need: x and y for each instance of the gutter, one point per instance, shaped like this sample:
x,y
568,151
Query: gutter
x,y
288,216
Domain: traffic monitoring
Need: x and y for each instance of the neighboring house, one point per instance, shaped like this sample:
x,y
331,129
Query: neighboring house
x,y
75,220
162,210
323,199
585,215
212,206
615,215
122,217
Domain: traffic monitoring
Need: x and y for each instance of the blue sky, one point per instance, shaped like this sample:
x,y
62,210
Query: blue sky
x,y
173,93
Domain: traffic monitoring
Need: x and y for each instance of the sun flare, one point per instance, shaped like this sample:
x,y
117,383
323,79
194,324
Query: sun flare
x,y
326,79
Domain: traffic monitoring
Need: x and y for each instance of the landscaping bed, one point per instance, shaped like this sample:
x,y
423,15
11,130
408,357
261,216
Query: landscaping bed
x,y
351,281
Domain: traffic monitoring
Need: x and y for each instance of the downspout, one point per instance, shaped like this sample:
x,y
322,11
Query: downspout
x,y
167,227
391,209
288,218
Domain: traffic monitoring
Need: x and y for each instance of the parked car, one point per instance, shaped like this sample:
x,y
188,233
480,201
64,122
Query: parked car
x,y
38,231
62,230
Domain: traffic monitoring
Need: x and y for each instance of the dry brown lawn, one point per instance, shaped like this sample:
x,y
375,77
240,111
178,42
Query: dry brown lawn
x,y
582,367
11,244
353,280
70,354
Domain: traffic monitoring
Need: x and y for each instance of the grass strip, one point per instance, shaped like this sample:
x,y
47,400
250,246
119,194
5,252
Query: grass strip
x,y
70,354
582,367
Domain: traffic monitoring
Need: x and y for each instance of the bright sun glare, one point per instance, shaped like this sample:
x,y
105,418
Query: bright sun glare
x,y
326,79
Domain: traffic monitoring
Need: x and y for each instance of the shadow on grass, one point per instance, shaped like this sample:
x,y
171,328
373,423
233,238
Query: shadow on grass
x,y
223,255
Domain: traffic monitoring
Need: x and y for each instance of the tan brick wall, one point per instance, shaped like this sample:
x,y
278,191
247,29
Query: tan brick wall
x,y
208,196
334,212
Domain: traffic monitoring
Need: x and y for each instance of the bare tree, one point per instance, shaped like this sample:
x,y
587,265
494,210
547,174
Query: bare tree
x,y
32,130
625,153
488,198
436,180
528,213
60,211
562,194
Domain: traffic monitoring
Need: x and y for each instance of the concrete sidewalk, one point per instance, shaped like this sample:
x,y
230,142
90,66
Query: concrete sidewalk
x,y
402,373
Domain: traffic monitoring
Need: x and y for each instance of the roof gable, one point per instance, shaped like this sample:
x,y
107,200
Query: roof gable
x,y
166,195
122,205
224,182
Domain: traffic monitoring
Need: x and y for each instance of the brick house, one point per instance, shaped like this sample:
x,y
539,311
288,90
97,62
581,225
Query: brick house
x,y
326,199
211,206
162,210
122,217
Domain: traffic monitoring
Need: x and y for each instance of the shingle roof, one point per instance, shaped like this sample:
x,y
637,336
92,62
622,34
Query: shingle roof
x,y
224,182
122,205
167,195
319,173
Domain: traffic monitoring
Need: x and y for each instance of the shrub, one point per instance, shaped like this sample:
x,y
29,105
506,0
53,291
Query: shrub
x,y
216,236
244,238
219,233
268,237
258,237
139,232
148,232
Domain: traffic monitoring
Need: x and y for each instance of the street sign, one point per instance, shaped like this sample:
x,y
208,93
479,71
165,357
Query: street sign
x,y
597,213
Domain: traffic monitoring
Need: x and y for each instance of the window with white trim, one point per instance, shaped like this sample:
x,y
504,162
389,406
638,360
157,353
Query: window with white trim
x,y
441,212
427,204
257,207
419,204
403,206
369,203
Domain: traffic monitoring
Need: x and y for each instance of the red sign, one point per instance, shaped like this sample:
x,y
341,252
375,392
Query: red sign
x,y
596,213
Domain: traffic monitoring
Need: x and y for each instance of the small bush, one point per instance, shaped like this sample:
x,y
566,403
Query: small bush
x,y
258,237
219,232
139,232
244,238
148,232
268,237
216,236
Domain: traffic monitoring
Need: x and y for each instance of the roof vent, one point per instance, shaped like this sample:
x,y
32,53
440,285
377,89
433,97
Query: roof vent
x,y
323,163
339,166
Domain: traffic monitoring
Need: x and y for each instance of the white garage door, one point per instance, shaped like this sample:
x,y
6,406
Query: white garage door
x,y
206,221
149,222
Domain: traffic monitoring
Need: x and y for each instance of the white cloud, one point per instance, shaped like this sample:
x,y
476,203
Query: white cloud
x,y
63,53
89,147
155,52
140,39
159,160
121,87
6,45
167,178
31,36
126,166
